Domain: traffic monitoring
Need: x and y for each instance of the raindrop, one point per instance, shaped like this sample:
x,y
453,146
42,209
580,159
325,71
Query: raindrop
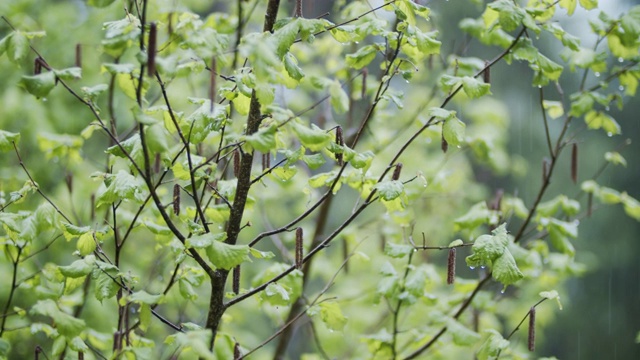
x,y
539,86
407,81
503,290
597,74
483,267
44,99
621,88
607,108
609,134
620,59
472,267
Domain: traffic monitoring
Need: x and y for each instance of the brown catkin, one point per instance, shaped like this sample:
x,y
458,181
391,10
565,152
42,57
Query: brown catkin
x,y
236,280
156,163
299,240
170,24
176,199
397,171
92,202
451,266
444,145
78,55
298,11
236,163
80,355
589,205
487,73
151,49
340,142
266,162
37,66
574,163
237,354
532,329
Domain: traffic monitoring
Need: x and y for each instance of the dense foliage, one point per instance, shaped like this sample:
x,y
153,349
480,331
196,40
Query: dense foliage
x,y
217,179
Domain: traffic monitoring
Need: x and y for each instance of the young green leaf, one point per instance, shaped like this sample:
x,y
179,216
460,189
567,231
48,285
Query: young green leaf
x,y
453,131
7,139
332,316
39,85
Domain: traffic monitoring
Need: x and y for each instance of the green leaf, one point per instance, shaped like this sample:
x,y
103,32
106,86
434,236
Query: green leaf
x,y
39,85
291,65
66,324
314,138
505,269
397,250
86,243
390,190
5,348
121,186
570,5
600,120
142,297
492,346
264,139
462,335
440,113
17,47
510,15
332,316
105,285
78,268
221,254
551,295
475,88
554,108
492,251
339,98
69,74
631,206
477,215
362,57
615,158
100,3
589,4
277,295
453,131
7,139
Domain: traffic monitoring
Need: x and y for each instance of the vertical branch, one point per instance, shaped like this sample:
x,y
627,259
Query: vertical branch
x,y
12,289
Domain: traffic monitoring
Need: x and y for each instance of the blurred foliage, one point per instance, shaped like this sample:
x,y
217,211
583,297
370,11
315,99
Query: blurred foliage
x,y
389,138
